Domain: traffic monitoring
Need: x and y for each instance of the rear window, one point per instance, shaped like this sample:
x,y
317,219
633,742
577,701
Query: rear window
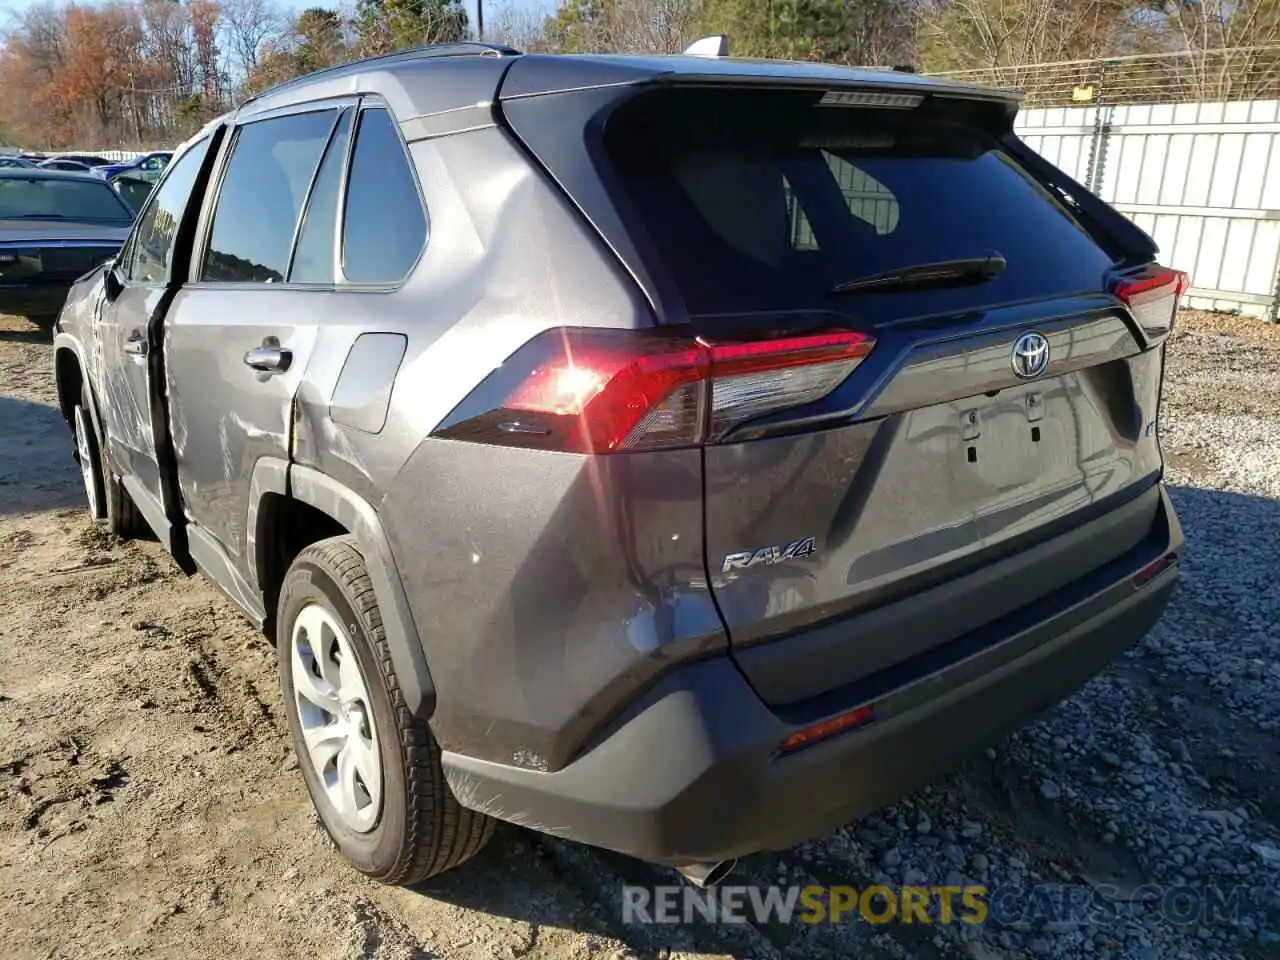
x,y
762,200
58,199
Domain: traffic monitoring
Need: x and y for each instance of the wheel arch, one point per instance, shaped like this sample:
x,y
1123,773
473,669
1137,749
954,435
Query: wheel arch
x,y
276,482
70,378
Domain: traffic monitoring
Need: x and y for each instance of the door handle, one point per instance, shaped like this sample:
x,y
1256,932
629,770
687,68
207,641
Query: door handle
x,y
136,347
269,359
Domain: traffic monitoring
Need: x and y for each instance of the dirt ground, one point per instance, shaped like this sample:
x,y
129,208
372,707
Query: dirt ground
x,y
149,804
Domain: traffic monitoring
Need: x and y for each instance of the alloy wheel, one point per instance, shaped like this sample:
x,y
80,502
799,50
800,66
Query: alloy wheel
x,y
336,716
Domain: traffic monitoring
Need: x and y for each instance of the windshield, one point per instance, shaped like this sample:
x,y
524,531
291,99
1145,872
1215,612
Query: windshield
x,y
765,200
23,198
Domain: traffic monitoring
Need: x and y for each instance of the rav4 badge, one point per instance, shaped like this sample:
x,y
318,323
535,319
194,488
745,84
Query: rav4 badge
x,y
766,556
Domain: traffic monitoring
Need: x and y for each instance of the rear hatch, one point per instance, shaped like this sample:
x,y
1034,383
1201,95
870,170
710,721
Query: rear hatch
x,y
981,390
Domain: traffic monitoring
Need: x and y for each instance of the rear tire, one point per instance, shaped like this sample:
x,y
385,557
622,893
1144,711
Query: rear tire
x,y
400,824
114,507
88,458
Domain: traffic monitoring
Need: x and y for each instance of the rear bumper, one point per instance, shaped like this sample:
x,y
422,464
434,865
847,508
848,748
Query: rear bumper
x,y
691,772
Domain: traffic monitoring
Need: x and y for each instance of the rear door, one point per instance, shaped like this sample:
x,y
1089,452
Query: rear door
x,y
996,409
126,331
239,336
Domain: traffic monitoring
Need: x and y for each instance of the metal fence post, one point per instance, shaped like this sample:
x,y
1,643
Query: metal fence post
x,y
1101,133
1273,308
1098,143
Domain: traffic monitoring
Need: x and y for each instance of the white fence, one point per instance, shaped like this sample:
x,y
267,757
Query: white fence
x,y
115,156
1202,178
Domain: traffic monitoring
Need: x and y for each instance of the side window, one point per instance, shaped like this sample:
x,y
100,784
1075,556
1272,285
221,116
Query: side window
x,y
385,228
151,248
313,260
263,189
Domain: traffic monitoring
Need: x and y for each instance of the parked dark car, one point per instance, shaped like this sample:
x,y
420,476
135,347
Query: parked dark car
x,y
54,228
89,160
149,166
679,455
61,163
11,161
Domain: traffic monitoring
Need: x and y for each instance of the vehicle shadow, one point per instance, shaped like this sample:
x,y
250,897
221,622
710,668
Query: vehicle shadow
x,y
555,884
27,332
37,467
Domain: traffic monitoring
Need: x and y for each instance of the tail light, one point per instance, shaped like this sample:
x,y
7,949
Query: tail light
x,y
597,391
1152,297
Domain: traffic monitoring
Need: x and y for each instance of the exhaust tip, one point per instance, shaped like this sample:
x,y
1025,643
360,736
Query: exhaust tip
x,y
703,875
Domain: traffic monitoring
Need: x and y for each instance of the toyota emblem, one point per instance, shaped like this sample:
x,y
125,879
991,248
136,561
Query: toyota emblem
x,y
1030,355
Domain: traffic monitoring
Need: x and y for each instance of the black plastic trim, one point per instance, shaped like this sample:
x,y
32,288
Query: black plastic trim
x,y
357,515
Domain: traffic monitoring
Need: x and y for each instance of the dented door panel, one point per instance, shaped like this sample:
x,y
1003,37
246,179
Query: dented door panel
x,y
126,400
225,414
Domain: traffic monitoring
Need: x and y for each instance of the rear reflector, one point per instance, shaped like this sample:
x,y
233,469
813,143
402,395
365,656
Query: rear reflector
x,y
827,729
1152,570
1152,297
601,391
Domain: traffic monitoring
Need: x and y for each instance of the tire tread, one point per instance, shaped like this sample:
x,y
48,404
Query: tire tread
x,y
440,832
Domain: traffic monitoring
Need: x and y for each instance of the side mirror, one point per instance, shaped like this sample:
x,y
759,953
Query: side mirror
x,y
112,284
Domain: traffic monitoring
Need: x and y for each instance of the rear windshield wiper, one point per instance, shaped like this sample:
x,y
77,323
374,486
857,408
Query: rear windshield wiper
x,y
943,272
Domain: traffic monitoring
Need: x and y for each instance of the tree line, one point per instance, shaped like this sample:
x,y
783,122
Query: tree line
x,y
145,73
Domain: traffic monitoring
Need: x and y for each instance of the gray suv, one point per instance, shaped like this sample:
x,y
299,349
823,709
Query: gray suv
x,y
681,455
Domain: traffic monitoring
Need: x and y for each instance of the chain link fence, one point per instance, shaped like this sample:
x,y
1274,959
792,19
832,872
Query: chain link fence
x,y
1238,73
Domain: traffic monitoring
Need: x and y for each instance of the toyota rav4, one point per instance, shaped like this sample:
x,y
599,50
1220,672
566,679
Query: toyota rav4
x,y
682,455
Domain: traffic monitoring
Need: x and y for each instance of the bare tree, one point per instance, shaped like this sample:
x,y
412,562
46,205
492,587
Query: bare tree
x,y
1228,45
636,26
1003,34
517,26
248,24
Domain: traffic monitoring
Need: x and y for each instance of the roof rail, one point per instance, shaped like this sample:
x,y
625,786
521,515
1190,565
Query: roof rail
x,y
460,48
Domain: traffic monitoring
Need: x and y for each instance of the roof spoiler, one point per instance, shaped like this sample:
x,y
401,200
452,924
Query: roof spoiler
x,y
1134,243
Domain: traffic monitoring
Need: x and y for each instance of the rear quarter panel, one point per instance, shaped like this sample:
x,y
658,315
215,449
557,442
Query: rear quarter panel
x,y
546,587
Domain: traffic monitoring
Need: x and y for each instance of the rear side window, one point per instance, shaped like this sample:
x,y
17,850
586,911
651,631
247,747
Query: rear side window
x,y
151,250
384,228
762,200
313,260
262,193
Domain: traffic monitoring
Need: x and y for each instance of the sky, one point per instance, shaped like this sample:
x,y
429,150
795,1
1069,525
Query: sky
x,y
491,6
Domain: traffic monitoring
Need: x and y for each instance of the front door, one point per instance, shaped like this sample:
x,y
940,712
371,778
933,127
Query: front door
x,y
128,328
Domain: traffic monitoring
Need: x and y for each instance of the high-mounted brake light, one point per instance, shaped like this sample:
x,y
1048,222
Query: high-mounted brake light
x,y
596,391
869,98
1152,297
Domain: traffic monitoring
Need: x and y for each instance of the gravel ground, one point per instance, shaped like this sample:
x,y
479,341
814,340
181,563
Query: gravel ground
x,y
148,800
